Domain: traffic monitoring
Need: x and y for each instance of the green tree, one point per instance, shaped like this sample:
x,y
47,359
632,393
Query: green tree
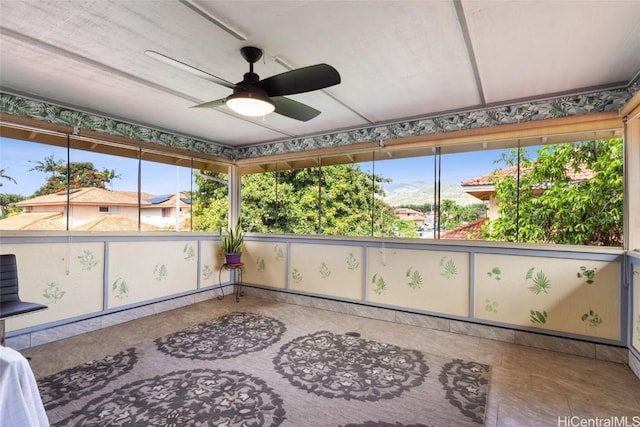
x,y
75,174
7,204
336,200
453,215
8,178
569,194
210,202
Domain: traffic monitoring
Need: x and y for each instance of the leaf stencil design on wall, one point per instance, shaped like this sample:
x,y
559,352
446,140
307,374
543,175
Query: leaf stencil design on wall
x,y
296,276
638,326
379,285
261,265
189,252
592,318
207,272
541,282
53,292
278,252
538,317
495,273
491,306
589,274
324,270
449,269
120,288
160,272
88,260
352,262
415,279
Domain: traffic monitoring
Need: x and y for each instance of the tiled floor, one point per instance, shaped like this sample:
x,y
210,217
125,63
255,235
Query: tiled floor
x,y
529,386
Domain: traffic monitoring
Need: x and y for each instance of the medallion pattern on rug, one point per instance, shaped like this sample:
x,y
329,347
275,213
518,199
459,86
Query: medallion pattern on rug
x,y
71,384
346,367
384,424
195,397
465,383
223,338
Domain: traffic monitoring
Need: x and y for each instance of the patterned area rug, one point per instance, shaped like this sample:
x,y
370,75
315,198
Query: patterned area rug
x,y
245,369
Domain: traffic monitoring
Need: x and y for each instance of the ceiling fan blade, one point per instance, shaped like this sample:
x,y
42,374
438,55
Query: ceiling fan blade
x,y
306,79
294,109
188,68
211,104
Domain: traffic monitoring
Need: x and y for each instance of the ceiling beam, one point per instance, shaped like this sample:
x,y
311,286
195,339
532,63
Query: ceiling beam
x,y
214,20
472,56
57,51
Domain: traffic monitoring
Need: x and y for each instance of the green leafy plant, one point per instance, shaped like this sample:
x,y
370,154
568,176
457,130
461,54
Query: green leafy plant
x,y
495,273
120,288
88,260
491,306
415,279
296,276
352,262
188,251
279,253
53,293
160,272
207,272
589,274
324,270
379,285
233,241
592,318
538,317
541,282
567,211
449,269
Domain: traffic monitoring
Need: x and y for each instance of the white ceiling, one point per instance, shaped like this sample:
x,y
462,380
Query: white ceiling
x,y
397,59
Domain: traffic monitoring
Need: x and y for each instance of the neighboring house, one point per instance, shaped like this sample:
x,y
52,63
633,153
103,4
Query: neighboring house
x,y
99,209
483,187
406,214
161,210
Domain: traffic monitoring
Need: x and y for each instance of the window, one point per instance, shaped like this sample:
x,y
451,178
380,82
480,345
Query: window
x,y
565,193
465,193
108,209
75,187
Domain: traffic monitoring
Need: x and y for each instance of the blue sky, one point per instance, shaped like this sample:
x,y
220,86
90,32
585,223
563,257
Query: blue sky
x,y
456,168
17,157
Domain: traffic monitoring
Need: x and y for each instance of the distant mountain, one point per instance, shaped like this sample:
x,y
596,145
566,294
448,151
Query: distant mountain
x,y
419,192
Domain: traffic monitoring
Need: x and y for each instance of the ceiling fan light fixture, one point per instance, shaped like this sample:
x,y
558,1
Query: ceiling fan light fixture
x,y
250,104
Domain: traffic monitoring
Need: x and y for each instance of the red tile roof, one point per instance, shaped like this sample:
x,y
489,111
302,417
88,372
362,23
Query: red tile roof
x,y
470,231
489,178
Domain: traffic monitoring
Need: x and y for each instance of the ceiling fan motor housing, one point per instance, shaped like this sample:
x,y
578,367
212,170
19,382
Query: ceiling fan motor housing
x,y
251,54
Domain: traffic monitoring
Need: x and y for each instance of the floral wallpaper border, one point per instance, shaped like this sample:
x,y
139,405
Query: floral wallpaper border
x,y
597,102
39,110
574,105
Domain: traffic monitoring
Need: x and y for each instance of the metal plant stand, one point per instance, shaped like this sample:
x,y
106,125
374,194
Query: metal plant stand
x,y
238,268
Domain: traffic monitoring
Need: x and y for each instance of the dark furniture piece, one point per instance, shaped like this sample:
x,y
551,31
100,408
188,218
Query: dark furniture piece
x,y
238,269
10,303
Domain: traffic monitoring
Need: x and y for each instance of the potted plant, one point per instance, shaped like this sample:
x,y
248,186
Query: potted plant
x,y
232,244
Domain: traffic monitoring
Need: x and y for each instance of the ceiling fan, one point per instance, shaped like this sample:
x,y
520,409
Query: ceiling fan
x,y
254,97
